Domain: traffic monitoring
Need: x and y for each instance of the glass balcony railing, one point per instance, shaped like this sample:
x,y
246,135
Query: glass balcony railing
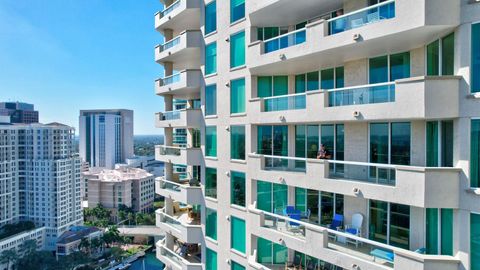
x,y
170,115
380,174
285,40
170,8
281,163
170,79
359,18
286,102
170,44
169,150
365,94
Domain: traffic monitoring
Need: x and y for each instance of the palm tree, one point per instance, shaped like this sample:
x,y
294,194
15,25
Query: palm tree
x,y
84,245
9,256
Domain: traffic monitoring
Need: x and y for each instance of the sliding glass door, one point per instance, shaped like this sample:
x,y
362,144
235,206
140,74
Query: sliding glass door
x,y
389,223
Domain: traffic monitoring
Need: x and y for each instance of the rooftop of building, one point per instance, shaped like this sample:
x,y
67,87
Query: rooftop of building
x,y
122,173
76,233
105,111
36,125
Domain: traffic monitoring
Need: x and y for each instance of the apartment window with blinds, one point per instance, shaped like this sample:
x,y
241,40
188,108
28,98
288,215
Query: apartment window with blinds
x,y
237,50
210,17
440,56
211,58
237,10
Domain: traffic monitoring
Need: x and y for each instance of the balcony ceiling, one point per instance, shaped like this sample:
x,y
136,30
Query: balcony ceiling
x,y
288,12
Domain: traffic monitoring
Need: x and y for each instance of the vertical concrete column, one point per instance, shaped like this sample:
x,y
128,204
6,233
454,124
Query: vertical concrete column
x,y
169,241
291,140
417,63
352,5
168,99
168,206
168,67
291,84
168,136
168,34
190,137
168,171
356,72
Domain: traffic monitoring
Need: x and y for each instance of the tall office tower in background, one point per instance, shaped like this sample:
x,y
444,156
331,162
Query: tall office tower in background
x,y
106,137
19,112
390,88
40,178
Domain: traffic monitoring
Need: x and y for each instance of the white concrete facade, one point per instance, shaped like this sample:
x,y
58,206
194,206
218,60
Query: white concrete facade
x,y
420,99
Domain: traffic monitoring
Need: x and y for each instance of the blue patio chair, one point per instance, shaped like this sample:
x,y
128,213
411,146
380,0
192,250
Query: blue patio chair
x,y
289,210
292,224
337,222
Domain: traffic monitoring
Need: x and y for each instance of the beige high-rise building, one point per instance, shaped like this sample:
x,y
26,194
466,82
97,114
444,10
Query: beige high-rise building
x,y
331,134
131,187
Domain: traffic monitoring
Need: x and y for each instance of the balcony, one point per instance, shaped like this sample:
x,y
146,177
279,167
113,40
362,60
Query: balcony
x,y
174,261
410,185
184,84
184,224
179,155
386,27
186,118
430,97
336,247
186,191
180,15
183,51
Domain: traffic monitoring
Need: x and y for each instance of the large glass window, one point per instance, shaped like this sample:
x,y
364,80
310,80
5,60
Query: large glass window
x,y
268,86
330,204
211,141
237,96
271,197
211,99
237,49
307,201
440,143
211,182
474,241
237,188
211,223
475,65
272,140
389,67
393,138
237,266
237,10
390,223
238,234
446,231
475,154
210,17
400,143
432,231
211,260
271,253
237,142
211,58
325,79
441,52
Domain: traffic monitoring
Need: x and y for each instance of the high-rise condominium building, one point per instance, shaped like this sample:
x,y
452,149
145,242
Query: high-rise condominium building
x,y
339,134
19,112
130,187
40,178
106,137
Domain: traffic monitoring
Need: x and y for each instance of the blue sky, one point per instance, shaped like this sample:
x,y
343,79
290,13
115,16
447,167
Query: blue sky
x,y
67,55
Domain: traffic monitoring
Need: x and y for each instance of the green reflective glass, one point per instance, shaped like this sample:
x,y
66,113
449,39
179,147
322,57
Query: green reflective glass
x,y
237,10
475,153
210,17
399,66
300,83
211,58
238,234
280,85
237,50
211,260
312,141
211,141
378,69
211,223
264,251
447,143
326,207
211,99
264,86
264,140
300,199
433,63
474,241
448,48
475,59
237,188
327,137
237,266
237,96
339,77
211,182
313,81
327,78
432,144
300,141
432,230
280,197
237,142
264,196
446,232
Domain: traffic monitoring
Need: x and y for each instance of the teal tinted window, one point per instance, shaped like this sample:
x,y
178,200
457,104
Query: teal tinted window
x,y
446,231
238,234
211,58
237,188
211,223
300,83
399,225
237,96
432,144
474,241
312,141
339,77
312,81
475,154
328,78
300,141
237,142
237,10
432,230
210,17
237,50
448,47
378,69
379,143
264,196
400,144
475,65
378,224
237,266
433,54
264,251
280,85
264,86
211,260
399,66
211,100
211,182
211,141
264,140
300,199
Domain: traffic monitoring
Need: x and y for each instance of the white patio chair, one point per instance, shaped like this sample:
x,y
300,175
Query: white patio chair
x,y
355,228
